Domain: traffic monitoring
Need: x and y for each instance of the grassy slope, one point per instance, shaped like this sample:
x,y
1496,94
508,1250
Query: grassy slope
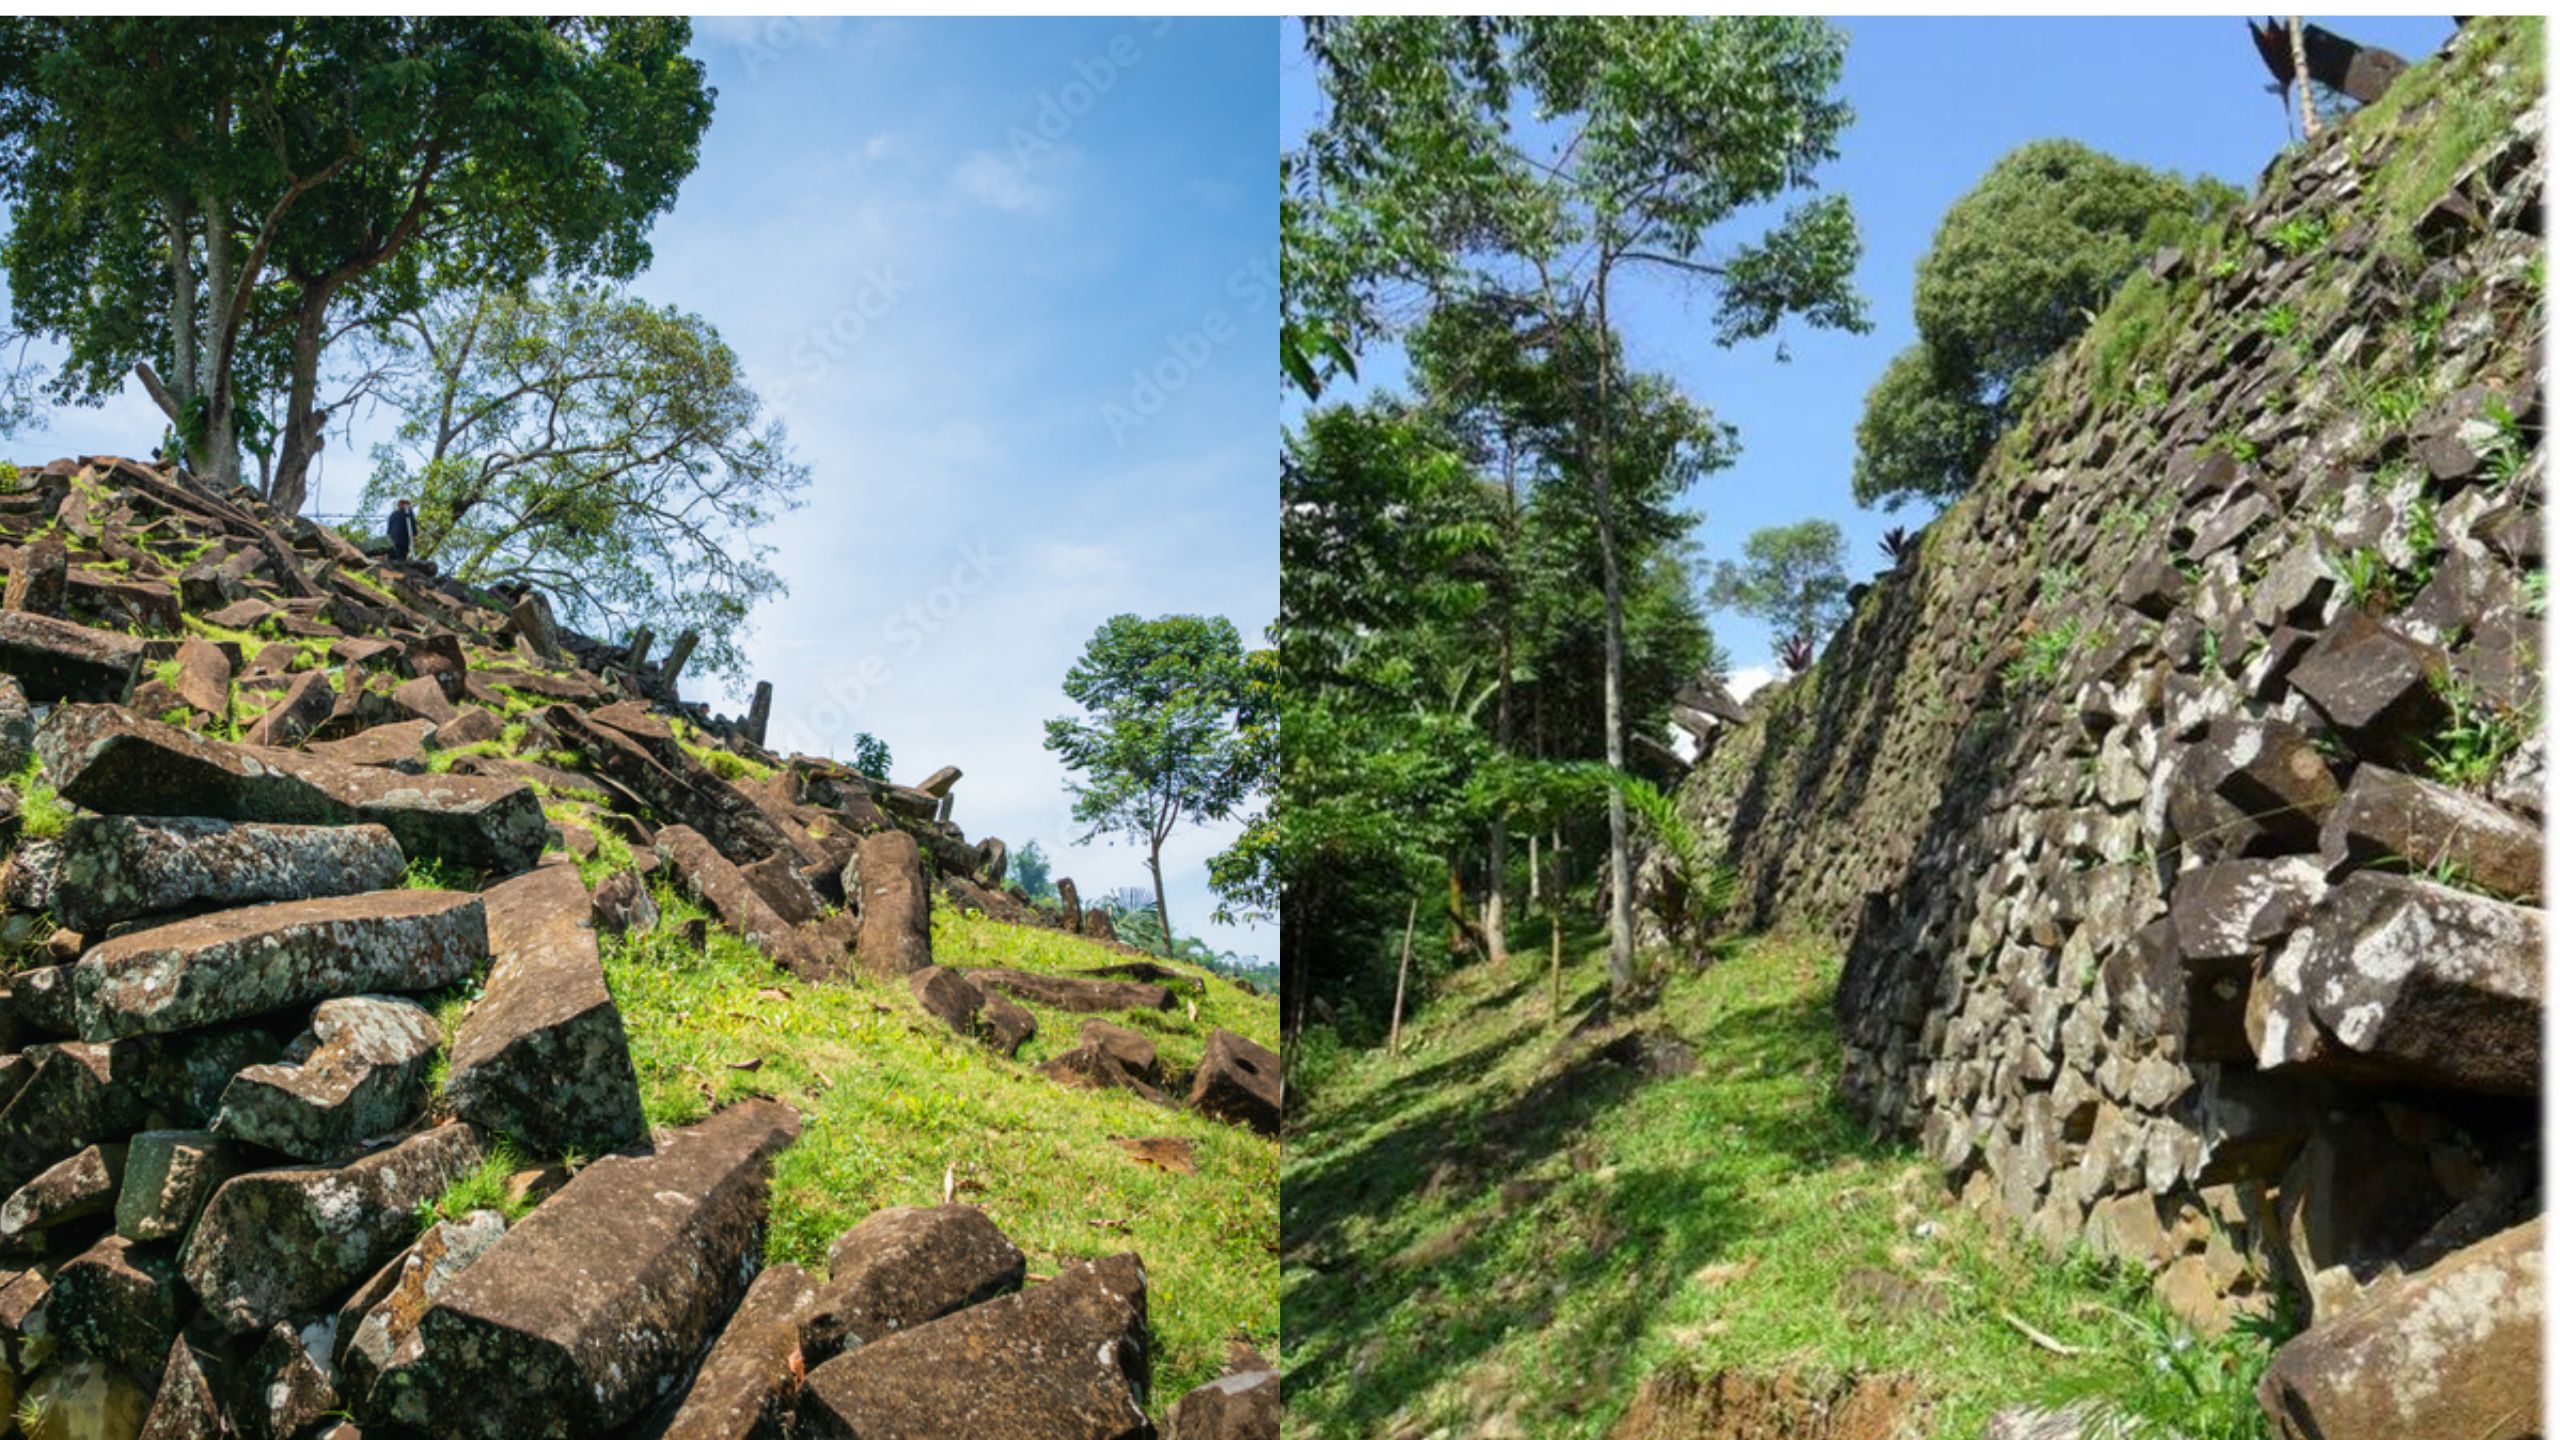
x,y
1735,1216
889,1099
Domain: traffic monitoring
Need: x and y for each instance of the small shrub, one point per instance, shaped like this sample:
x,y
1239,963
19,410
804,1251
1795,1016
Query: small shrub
x,y
2476,738
2047,656
2299,236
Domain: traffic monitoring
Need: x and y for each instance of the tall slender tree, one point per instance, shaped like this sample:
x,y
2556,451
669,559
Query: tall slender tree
x,y
1552,158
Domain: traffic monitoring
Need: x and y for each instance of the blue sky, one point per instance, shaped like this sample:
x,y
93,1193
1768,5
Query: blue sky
x,y
1937,101
945,250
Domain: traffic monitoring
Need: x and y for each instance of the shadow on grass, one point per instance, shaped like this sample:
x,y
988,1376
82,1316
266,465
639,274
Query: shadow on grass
x,y
1394,1292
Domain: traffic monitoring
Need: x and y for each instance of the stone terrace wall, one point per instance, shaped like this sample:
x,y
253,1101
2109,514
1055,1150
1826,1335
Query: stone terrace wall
x,y
2178,801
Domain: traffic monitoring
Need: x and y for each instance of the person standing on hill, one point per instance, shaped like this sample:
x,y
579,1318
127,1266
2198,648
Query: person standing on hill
x,y
403,528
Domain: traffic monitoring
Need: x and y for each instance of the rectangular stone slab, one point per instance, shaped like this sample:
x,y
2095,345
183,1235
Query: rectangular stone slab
x,y
79,1094
588,1311
121,867
542,1055
748,1381
262,958
59,660
114,761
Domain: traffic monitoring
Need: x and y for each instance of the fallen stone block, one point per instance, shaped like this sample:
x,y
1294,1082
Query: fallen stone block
x,y
1090,1067
378,1318
635,750
168,1175
1238,1081
2390,819
948,998
897,914
81,1186
542,1054
1066,1360
56,660
273,1245
203,678
286,1391
623,904
1243,1406
1069,992
2402,979
400,746
241,963
2376,686
305,703
702,872
749,1383
905,1267
2453,1350
121,867
185,1407
115,762
77,1094
590,1308
116,1300
361,1073
1135,1052
39,577
89,1397
2228,909
2250,787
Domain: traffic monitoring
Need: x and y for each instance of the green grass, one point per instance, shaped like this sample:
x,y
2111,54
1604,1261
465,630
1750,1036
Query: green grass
x,y
41,813
890,1101
1718,1219
484,1188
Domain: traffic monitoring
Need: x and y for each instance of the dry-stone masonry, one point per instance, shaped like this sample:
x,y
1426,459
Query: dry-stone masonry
x,y
2178,802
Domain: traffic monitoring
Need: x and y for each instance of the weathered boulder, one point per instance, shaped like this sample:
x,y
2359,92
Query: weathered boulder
x,y
2403,979
379,1316
202,677
749,1383
240,963
76,1094
2228,909
2453,1350
542,1054
17,724
184,1407
1066,1360
1135,1052
2250,787
2390,819
84,1398
777,878
588,1310
1238,1081
119,763
40,577
2375,685
1072,992
118,1300
401,745
897,913
470,725
306,702
168,1175
276,1244
81,1186
701,871
1243,1406
360,1074
947,997
56,660
905,1267
119,867
623,904
1090,1067
1007,1025
286,1391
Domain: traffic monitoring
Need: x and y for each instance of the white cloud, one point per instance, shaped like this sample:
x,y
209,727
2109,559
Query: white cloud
x,y
989,179
1747,679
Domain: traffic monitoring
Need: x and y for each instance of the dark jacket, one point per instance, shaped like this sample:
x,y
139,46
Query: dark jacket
x,y
403,529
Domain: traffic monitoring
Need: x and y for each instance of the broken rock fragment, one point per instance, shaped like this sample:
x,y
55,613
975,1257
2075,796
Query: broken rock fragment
x,y
1238,1081
542,1054
906,1267
362,1074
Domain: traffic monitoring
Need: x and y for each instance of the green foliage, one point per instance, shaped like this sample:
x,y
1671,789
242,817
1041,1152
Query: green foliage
x,y
2180,1385
298,173
2047,656
1790,577
2299,236
2476,738
1172,730
870,755
607,451
2019,266
41,813
426,872
1029,869
483,1187
1705,887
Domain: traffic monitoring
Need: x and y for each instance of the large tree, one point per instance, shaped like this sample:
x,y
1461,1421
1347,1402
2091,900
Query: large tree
x,y
1551,158
1171,732
207,204
1791,577
604,449
2018,267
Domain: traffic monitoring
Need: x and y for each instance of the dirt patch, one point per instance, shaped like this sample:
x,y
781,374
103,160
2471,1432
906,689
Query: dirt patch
x,y
1677,1404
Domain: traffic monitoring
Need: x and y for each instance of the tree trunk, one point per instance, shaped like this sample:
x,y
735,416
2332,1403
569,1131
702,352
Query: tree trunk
x,y
300,437
1497,855
1622,948
1395,1017
1555,945
215,454
1533,868
2302,80
1155,870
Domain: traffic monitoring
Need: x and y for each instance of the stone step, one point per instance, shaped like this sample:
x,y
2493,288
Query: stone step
x,y
113,868
575,1321
116,762
262,958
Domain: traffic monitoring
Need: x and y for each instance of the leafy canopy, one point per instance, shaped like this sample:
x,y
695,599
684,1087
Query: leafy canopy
x,y
2019,266
605,450
1790,576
